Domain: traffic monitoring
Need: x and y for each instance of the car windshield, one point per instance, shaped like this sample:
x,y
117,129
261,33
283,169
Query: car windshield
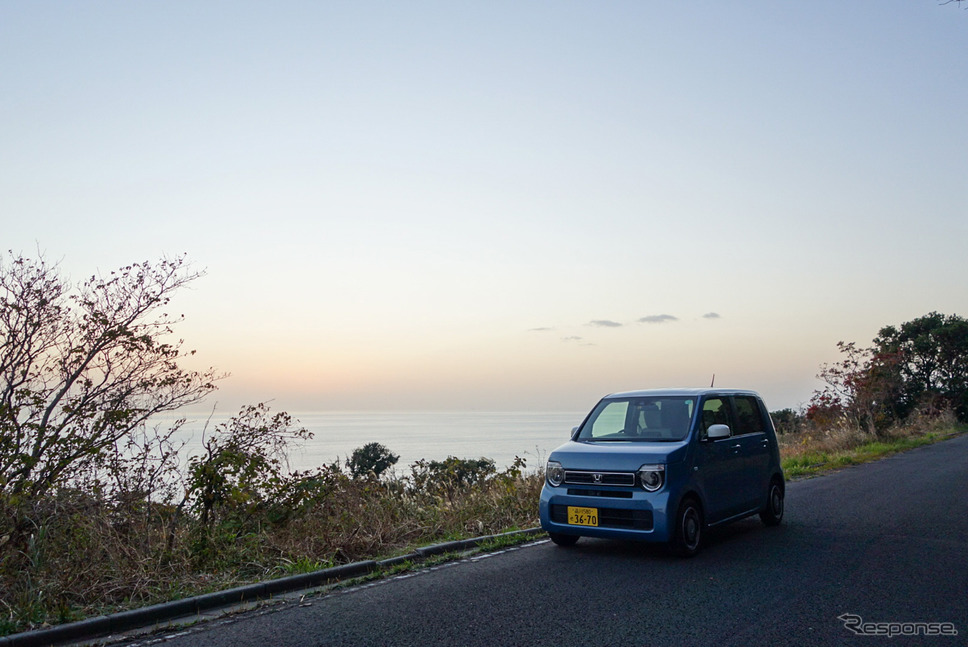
x,y
650,419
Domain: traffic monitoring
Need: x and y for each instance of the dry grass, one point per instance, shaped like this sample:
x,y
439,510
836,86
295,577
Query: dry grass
x,y
812,450
86,555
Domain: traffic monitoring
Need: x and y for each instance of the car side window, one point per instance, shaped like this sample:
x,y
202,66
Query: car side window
x,y
715,411
749,418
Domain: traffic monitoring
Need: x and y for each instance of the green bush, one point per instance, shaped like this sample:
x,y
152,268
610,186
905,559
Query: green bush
x,y
371,458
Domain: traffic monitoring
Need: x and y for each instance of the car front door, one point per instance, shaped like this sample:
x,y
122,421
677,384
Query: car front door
x,y
720,462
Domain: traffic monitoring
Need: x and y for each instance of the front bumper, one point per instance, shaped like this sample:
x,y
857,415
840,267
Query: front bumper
x,y
623,513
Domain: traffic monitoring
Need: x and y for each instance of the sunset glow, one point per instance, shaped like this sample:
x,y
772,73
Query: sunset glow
x,y
499,206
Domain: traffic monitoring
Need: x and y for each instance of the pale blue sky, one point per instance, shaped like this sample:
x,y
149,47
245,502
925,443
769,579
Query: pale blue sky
x,y
428,205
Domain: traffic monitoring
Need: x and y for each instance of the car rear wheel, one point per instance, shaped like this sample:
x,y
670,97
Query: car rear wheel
x,y
563,540
772,515
688,533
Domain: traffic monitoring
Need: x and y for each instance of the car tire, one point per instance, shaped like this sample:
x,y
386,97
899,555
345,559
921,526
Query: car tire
x,y
564,541
772,514
687,535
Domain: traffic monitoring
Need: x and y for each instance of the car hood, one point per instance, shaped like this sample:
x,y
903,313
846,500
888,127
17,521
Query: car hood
x,y
617,455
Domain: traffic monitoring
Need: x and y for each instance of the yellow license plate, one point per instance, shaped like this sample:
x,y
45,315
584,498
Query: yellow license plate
x,y
582,516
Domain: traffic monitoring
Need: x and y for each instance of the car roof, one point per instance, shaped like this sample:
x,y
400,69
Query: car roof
x,y
681,392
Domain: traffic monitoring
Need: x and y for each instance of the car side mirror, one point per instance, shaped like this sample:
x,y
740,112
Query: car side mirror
x,y
715,432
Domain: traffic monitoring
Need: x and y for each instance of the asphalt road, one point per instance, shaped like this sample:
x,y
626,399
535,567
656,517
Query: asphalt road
x,y
886,542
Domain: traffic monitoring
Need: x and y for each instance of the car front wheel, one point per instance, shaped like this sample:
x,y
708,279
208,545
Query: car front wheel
x,y
687,535
772,515
563,540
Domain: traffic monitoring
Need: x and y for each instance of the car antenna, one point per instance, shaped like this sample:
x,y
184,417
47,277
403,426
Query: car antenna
x,y
713,382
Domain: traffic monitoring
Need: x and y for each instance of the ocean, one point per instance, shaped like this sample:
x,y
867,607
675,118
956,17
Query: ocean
x,y
416,435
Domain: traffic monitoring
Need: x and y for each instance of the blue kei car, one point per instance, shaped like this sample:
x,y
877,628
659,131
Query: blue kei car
x,y
663,466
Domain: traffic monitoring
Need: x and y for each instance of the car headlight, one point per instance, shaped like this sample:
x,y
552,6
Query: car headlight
x,y
555,473
651,477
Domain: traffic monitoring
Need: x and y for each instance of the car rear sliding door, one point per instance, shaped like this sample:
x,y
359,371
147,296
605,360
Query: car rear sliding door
x,y
755,447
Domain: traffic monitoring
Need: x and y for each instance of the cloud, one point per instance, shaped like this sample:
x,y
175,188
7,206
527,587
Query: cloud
x,y
575,339
604,323
545,329
658,319
711,315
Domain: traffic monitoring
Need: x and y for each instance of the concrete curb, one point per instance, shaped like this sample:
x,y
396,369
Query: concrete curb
x,y
464,544
157,613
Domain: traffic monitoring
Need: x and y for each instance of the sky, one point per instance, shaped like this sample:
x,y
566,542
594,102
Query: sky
x,y
499,205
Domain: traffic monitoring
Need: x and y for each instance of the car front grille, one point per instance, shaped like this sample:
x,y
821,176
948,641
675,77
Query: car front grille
x,y
610,517
578,477
615,494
